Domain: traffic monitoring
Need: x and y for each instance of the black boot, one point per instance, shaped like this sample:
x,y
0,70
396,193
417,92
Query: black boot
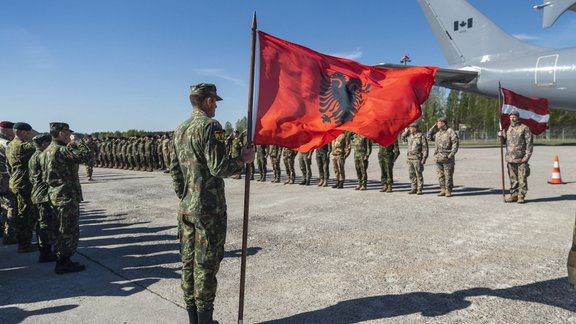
x,y
192,314
46,254
64,265
206,317
341,184
336,184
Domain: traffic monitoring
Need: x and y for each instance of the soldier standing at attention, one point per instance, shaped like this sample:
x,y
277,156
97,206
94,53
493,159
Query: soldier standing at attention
x,y
417,155
39,196
446,147
60,171
387,155
18,154
275,155
90,165
262,154
362,150
8,204
340,151
519,145
235,151
305,162
323,162
289,156
198,164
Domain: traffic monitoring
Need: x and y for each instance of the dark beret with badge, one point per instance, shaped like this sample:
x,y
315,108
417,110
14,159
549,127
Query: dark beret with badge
x,y
205,90
59,127
22,126
41,139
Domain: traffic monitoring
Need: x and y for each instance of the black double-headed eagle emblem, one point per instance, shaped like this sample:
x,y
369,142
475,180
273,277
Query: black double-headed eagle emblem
x,y
340,97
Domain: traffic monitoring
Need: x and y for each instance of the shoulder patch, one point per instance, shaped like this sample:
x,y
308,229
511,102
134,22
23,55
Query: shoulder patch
x,y
219,135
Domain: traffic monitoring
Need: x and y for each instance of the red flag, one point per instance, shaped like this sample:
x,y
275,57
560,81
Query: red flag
x,y
306,99
533,111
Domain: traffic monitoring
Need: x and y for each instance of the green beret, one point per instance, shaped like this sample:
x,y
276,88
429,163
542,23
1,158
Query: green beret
x,y
42,138
22,126
204,89
57,127
515,113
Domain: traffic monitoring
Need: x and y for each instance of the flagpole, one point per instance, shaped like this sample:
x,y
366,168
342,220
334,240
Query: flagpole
x,y
501,141
247,178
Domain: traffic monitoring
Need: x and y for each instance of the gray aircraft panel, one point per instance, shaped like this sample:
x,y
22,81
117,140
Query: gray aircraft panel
x,y
553,9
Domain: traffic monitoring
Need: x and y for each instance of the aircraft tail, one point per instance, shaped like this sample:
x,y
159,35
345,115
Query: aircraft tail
x,y
465,34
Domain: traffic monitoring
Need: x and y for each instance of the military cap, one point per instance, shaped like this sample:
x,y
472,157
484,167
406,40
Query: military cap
x,y
22,126
6,124
204,89
515,113
41,138
414,125
442,119
58,126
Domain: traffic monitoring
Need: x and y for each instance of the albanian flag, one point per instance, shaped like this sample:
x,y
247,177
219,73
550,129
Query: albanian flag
x,y
533,111
306,99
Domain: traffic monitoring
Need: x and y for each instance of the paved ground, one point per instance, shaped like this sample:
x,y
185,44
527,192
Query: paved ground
x,y
321,255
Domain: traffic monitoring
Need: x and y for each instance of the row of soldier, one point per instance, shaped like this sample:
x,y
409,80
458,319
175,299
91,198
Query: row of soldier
x,y
339,149
40,191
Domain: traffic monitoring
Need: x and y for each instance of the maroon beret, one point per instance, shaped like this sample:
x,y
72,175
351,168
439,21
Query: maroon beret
x,y
6,124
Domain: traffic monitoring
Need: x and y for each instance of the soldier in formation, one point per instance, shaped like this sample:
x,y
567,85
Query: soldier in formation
x,y
289,156
340,151
362,150
305,162
417,155
387,155
275,153
8,204
262,156
447,143
323,162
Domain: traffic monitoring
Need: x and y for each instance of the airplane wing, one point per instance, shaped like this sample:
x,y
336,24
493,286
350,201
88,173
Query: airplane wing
x,y
553,9
448,78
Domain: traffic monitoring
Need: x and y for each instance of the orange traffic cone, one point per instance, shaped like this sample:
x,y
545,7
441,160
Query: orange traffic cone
x,y
556,177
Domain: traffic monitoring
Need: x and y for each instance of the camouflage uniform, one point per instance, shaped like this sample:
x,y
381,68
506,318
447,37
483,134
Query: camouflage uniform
x,y
275,156
340,151
362,150
289,156
18,154
198,163
235,150
305,162
8,204
446,147
90,165
417,155
60,173
387,155
519,146
262,154
323,162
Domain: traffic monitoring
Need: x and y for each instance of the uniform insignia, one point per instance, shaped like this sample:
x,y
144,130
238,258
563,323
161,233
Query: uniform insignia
x,y
219,135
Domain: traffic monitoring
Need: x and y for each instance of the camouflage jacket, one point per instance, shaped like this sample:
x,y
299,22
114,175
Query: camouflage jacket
x,y
417,146
275,151
236,147
39,187
288,153
519,143
18,154
60,171
4,176
341,146
324,150
198,163
446,143
392,150
262,151
362,146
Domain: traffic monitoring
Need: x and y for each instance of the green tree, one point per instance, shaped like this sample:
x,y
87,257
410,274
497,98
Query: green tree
x,y
228,128
242,124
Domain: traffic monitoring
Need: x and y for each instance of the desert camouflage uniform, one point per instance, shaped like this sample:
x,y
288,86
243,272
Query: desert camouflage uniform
x,y
275,156
387,155
416,157
8,203
198,163
362,150
519,146
340,151
447,144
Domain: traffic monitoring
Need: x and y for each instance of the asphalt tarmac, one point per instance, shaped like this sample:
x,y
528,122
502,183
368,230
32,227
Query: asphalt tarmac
x,y
321,255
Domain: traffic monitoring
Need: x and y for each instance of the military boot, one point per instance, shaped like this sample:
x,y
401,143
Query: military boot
x,y
512,199
389,189
363,187
384,188
321,183
412,191
442,192
447,193
419,192
325,184
303,182
341,184
64,265
520,200
292,181
46,254
307,182
192,314
336,184
263,178
205,317
358,187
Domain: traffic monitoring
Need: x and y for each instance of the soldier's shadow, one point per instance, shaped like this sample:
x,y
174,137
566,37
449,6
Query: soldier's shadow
x,y
555,292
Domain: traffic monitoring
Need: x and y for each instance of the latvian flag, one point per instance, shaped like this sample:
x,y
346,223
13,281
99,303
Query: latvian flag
x,y
533,111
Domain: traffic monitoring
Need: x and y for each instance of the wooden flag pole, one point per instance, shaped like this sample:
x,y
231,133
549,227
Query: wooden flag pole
x,y
247,177
501,141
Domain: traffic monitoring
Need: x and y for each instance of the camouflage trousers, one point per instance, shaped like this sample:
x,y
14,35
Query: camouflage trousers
x,y
26,219
202,239
276,167
445,172
48,224
323,163
89,170
572,261
518,173
305,166
361,165
68,218
262,167
415,170
386,166
289,164
9,211
339,162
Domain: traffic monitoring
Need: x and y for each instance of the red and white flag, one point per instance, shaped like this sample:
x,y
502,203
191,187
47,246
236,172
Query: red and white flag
x,y
533,111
